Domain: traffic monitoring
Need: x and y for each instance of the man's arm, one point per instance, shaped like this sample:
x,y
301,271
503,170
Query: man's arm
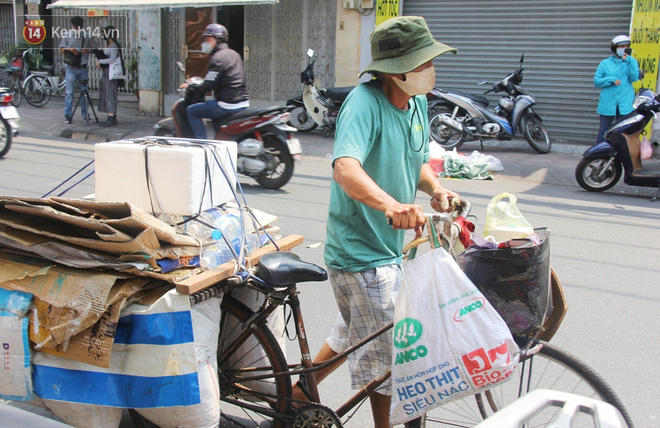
x,y
429,184
357,184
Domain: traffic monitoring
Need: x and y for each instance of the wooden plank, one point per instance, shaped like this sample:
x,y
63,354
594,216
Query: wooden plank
x,y
224,271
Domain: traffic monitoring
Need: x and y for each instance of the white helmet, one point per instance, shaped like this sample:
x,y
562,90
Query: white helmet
x,y
619,41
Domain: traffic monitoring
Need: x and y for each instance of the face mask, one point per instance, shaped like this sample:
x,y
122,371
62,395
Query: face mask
x,y
417,83
207,47
620,52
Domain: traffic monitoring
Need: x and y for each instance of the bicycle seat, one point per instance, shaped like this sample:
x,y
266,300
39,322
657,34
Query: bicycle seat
x,y
285,269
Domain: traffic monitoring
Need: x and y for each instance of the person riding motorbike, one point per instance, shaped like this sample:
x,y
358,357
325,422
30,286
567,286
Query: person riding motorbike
x,y
225,76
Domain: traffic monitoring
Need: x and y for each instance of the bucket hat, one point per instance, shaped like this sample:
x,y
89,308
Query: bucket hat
x,y
401,44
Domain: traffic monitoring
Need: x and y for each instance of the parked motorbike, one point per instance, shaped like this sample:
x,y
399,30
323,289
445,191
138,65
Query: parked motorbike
x,y
603,164
316,107
456,117
8,120
266,146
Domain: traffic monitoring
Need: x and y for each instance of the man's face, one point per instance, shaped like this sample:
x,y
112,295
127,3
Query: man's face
x,y
210,40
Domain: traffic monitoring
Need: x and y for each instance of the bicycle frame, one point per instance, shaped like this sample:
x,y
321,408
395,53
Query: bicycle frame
x,y
576,375
308,369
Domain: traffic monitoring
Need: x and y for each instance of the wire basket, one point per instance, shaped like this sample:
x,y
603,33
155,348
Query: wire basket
x,y
516,281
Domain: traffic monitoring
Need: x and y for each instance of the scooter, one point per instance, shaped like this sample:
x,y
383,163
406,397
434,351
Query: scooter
x,y
456,117
266,146
316,107
603,164
8,120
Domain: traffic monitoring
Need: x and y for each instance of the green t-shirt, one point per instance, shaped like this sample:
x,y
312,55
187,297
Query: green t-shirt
x,y
391,146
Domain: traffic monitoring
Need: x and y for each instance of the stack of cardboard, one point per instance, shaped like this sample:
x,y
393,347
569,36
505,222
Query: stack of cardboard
x,y
83,260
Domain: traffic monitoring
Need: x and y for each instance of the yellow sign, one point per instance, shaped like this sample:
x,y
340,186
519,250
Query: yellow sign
x,y
385,10
645,40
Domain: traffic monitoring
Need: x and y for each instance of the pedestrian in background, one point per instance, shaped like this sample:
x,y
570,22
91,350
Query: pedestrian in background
x,y
615,76
109,87
75,47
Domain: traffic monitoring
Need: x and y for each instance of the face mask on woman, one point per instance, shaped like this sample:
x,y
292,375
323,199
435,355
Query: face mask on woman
x,y
620,52
417,82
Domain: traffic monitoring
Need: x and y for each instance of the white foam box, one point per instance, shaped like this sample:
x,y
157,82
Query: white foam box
x,y
184,175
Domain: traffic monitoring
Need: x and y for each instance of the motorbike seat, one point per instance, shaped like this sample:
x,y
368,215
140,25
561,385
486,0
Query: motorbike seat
x,y
249,112
282,269
480,99
338,94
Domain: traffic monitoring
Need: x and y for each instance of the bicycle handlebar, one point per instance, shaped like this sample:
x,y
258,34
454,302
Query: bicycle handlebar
x,y
460,207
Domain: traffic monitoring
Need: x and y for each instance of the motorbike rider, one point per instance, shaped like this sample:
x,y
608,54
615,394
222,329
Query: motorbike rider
x,y
225,76
615,76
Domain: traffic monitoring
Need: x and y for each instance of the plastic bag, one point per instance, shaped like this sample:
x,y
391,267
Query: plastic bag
x,y
504,221
494,164
449,342
646,151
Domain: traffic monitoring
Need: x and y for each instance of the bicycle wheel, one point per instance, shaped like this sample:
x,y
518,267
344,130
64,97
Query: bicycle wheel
x,y
248,349
36,90
15,88
551,368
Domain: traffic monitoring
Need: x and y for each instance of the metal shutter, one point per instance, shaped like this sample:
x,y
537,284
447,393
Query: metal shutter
x,y
563,41
277,37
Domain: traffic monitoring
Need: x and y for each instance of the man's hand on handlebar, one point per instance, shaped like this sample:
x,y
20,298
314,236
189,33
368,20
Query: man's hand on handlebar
x,y
440,199
405,216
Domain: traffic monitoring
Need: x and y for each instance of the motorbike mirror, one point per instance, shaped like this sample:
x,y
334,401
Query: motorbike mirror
x,y
180,67
482,82
522,58
310,52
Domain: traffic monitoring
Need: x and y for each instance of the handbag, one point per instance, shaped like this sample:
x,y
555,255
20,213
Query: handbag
x,y
74,59
116,69
449,342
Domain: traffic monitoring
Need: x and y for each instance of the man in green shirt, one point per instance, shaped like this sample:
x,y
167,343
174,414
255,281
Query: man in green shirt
x,y
380,160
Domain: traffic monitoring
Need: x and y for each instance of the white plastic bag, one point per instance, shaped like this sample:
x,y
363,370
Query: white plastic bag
x,y
449,342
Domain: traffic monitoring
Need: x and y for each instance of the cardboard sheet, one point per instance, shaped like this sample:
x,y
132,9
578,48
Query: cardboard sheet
x,y
71,299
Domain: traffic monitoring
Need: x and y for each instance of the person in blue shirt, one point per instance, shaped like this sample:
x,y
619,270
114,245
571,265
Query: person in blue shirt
x,y
615,76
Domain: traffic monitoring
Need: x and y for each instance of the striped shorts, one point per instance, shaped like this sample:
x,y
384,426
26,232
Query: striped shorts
x,y
366,303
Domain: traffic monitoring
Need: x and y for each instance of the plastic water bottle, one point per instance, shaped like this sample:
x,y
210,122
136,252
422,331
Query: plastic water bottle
x,y
223,224
215,255
253,242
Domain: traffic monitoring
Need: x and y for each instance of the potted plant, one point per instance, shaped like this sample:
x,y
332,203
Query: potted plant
x,y
132,75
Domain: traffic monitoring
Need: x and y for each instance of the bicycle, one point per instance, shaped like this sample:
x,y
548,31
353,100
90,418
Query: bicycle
x,y
12,77
41,85
255,377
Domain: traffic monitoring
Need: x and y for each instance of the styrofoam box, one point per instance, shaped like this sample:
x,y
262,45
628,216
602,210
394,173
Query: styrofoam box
x,y
179,180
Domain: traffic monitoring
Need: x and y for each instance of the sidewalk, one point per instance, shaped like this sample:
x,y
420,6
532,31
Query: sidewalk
x,y
49,121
